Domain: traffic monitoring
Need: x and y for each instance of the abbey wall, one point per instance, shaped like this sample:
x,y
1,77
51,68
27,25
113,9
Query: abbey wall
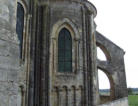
x,y
28,72
9,54
12,68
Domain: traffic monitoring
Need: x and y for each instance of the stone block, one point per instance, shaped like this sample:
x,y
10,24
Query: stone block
x,y
13,100
3,75
3,99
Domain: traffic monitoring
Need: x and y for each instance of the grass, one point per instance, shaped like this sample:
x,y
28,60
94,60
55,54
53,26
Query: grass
x,y
133,100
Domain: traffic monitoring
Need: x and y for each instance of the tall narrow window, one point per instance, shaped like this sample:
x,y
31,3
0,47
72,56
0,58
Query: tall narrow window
x,y
20,25
64,51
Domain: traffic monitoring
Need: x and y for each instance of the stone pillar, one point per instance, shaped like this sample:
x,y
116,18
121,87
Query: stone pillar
x,y
92,69
78,97
94,64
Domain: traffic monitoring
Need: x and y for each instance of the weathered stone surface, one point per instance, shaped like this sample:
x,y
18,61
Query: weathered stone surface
x,y
8,20
9,54
34,80
113,67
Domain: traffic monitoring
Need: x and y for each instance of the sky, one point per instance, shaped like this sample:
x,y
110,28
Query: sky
x,y
118,21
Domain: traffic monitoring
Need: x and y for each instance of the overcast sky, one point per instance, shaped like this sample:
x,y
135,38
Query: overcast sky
x,y
118,21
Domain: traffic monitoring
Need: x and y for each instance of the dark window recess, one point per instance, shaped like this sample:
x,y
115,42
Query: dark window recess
x,y
20,25
64,51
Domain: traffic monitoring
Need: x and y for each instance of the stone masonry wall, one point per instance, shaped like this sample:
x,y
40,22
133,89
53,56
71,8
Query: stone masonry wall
x,y
9,55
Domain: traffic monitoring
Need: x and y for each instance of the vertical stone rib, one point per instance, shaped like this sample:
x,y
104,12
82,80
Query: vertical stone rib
x,y
43,45
84,58
64,96
94,74
56,96
82,96
36,54
78,97
90,54
38,59
70,100
88,61
46,53
42,71
74,95
32,52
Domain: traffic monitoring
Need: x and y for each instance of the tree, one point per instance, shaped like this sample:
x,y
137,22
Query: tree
x,y
130,91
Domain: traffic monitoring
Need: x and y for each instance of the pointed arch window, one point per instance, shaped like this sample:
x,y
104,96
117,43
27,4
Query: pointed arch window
x,y
64,51
20,25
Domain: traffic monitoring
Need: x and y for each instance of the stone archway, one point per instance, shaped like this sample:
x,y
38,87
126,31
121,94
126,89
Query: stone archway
x,y
107,97
105,51
113,66
101,65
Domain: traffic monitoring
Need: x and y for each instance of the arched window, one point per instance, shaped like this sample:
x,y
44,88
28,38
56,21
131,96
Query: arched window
x,y
64,51
20,25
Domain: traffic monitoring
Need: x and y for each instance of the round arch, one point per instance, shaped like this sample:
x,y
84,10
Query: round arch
x,y
25,28
24,4
101,55
105,51
111,81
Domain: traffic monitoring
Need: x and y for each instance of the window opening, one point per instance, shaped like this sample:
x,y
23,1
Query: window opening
x,y
64,51
20,25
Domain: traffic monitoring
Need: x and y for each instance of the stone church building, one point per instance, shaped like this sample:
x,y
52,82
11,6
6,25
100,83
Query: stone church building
x,y
48,55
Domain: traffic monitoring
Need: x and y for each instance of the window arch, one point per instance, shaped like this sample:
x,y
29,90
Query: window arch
x,y
104,51
20,25
64,51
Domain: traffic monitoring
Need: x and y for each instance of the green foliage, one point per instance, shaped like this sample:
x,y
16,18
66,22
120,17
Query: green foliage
x,y
133,100
130,91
